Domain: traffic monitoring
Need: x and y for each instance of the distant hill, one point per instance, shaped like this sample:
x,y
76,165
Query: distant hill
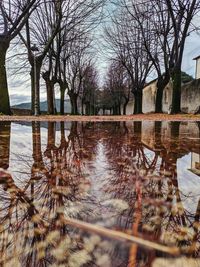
x,y
43,106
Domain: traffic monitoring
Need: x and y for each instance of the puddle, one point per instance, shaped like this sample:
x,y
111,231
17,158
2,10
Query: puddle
x,y
137,178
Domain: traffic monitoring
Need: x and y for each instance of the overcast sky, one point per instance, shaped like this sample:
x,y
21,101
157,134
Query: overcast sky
x,y
19,86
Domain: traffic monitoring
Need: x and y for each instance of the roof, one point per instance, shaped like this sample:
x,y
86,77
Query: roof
x,y
196,58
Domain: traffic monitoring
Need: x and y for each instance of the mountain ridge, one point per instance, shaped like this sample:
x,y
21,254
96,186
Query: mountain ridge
x,y
43,106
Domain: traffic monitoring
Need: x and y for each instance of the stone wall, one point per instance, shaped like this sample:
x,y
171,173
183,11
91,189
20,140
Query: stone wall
x,y
190,98
167,98
149,97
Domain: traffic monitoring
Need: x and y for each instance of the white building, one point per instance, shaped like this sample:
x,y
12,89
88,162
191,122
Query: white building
x,y
197,74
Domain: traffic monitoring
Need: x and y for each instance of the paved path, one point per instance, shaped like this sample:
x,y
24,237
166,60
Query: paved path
x,y
151,117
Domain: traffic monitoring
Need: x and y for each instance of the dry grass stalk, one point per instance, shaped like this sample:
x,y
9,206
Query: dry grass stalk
x,y
121,236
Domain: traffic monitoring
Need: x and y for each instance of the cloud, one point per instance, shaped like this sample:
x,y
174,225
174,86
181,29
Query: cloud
x,y
19,98
20,90
19,85
192,50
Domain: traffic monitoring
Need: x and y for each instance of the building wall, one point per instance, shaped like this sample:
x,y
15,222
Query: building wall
x,y
167,98
190,98
198,68
149,97
130,108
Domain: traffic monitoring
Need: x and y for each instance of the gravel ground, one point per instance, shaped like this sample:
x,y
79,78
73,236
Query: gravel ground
x,y
151,117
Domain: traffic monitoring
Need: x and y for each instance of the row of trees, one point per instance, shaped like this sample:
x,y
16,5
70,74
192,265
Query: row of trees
x,y
63,52
145,37
118,87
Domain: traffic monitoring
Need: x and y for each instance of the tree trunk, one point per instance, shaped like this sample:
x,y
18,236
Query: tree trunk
x,y
50,93
35,87
138,128
125,106
82,107
51,140
86,108
5,136
119,109
161,84
62,101
176,92
138,94
32,90
115,110
175,129
158,134
50,98
73,101
4,94
54,101
36,140
63,142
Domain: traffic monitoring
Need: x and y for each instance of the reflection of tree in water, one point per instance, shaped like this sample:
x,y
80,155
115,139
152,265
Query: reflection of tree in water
x,y
5,128
33,215
126,156
34,231
179,221
150,186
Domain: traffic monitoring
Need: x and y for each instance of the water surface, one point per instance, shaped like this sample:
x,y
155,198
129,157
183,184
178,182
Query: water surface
x,y
140,178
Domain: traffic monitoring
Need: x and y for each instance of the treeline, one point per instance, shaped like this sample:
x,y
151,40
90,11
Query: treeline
x,y
144,37
57,36
147,37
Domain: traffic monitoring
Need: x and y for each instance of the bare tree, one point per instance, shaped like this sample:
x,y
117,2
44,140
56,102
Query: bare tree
x,y
105,99
155,26
181,14
50,19
13,16
41,29
88,94
167,24
49,76
126,42
76,68
119,85
74,50
63,51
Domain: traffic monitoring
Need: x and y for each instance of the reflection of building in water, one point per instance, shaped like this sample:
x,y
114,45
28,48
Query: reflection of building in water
x,y
195,163
178,146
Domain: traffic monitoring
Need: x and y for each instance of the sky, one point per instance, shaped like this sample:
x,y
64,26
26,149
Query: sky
x,y
19,85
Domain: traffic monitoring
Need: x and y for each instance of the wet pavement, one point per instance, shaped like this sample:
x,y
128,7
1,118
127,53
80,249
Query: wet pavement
x,y
137,178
